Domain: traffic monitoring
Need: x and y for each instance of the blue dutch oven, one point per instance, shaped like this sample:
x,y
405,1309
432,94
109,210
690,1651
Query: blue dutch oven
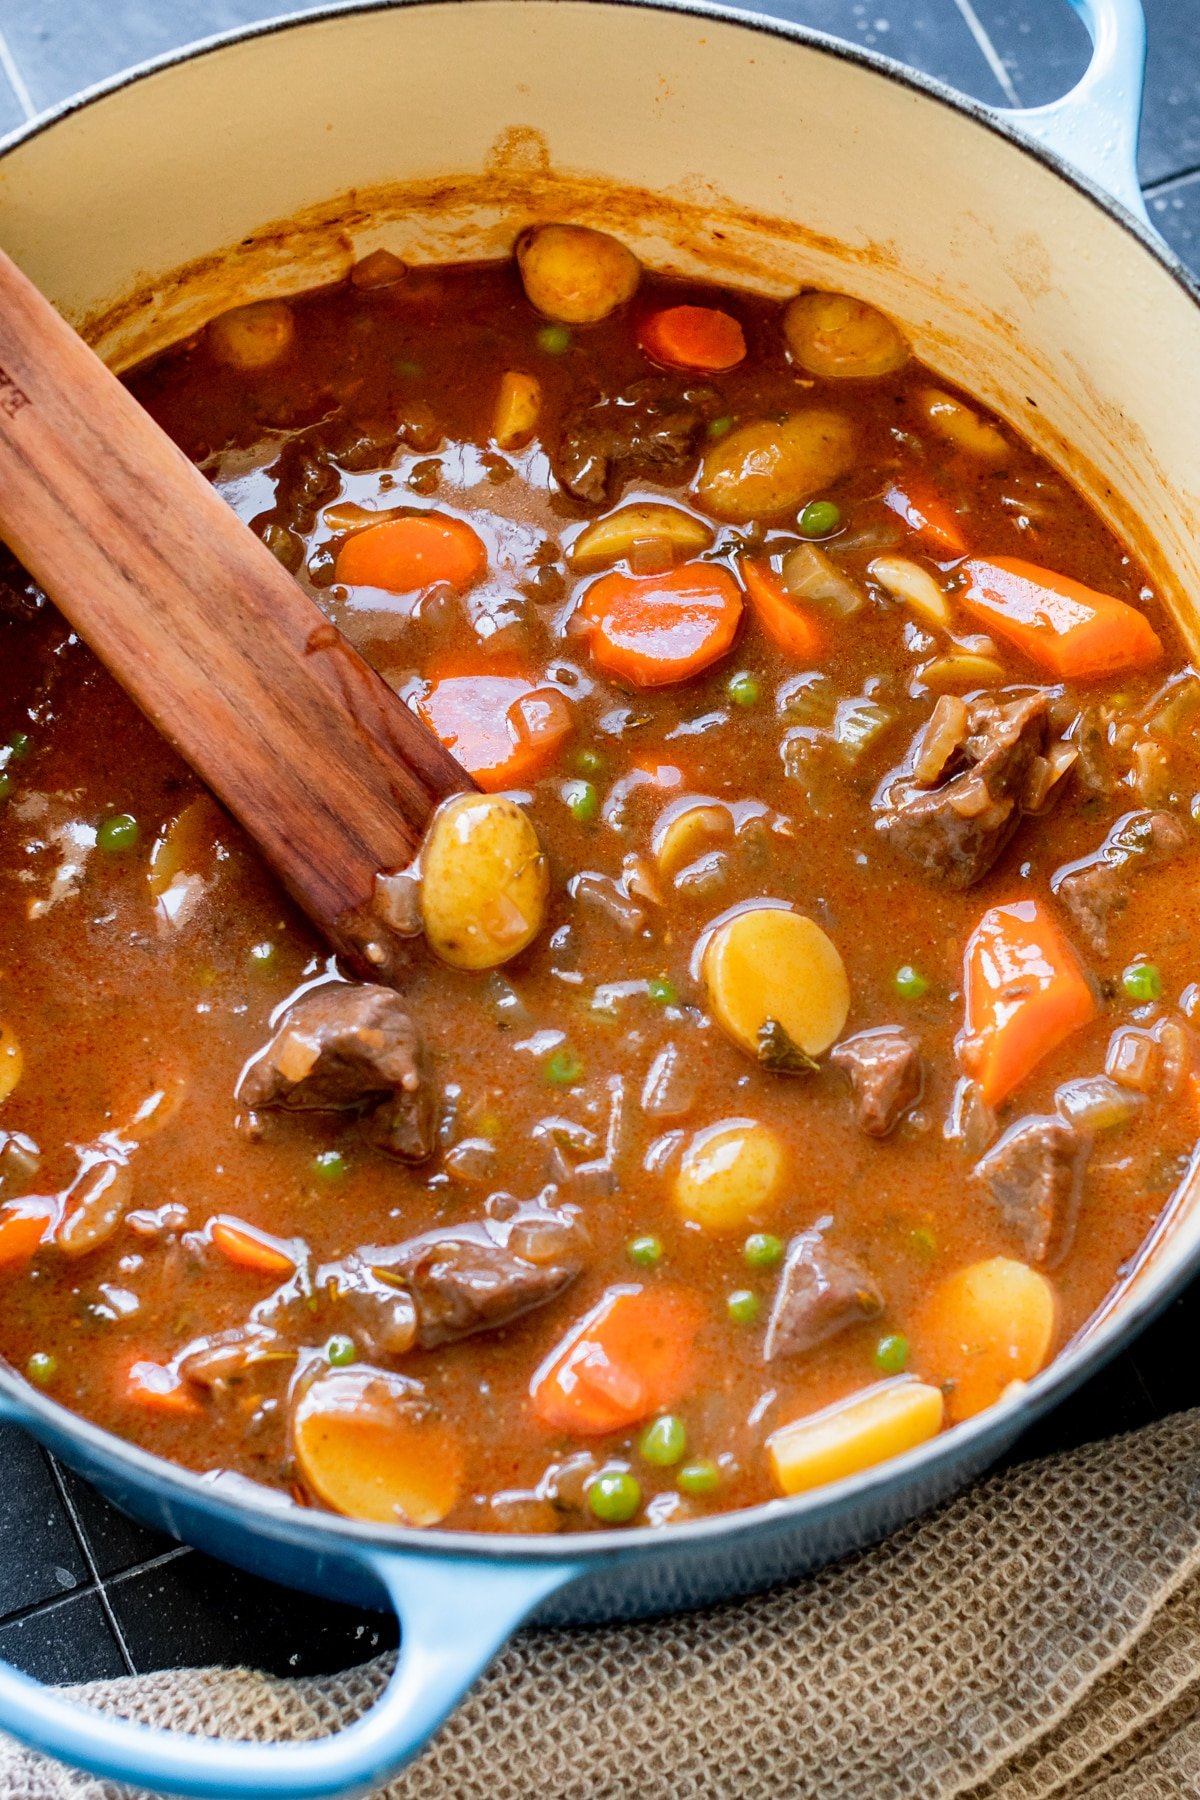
x,y
958,184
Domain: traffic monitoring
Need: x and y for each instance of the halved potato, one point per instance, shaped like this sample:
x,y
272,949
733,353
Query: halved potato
x,y
730,1176
518,405
574,274
254,336
773,466
986,1325
962,427
368,1446
619,535
855,1434
774,978
838,337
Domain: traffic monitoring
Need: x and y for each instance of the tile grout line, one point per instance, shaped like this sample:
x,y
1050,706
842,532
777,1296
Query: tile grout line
x,y
16,81
991,55
81,1534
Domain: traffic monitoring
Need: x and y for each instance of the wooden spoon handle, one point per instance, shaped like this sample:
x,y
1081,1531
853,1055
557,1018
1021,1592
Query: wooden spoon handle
x,y
327,769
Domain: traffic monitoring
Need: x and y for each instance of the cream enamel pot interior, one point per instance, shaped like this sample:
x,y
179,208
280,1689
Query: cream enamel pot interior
x,y
706,140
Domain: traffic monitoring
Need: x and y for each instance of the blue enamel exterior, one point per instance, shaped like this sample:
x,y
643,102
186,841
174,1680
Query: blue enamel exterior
x,y
459,1597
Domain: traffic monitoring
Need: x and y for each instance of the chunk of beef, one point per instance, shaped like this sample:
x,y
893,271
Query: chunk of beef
x,y
458,1283
886,1075
350,1048
954,805
652,429
820,1293
1034,1175
1095,890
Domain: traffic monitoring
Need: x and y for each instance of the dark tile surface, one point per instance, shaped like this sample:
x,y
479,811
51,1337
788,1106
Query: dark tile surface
x,y
83,1591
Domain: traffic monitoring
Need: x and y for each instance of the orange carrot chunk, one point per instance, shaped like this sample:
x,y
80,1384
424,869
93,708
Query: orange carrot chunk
x,y
1025,992
926,514
631,1356
1058,623
250,1249
159,1389
781,617
403,555
693,337
503,730
652,629
25,1225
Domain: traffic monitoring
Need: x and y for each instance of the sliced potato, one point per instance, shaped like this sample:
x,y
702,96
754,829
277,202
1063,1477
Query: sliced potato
x,y
908,581
620,534
254,336
835,336
771,466
961,669
855,1434
730,1176
962,427
12,1060
686,829
774,976
984,1326
188,846
574,274
367,1446
484,881
518,406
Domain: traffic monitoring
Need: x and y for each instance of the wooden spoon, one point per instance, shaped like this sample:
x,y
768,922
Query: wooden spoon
x,y
327,769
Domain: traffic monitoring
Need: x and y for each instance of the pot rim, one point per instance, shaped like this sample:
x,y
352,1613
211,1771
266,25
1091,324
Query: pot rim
x,y
972,1441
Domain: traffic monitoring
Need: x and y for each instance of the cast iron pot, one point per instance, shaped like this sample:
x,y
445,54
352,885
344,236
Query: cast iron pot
x,y
1014,250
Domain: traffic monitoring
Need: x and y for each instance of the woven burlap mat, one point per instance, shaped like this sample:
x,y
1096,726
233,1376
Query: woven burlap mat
x,y
1039,1636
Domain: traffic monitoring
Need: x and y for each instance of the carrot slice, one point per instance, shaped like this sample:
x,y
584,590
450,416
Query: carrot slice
x,y
405,554
693,337
924,511
25,1225
782,618
503,730
1072,630
159,1389
250,1249
630,1356
653,629
1026,992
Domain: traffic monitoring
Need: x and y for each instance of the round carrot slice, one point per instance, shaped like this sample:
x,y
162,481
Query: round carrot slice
x,y
653,629
783,619
402,555
503,730
368,1446
629,1357
693,337
25,1225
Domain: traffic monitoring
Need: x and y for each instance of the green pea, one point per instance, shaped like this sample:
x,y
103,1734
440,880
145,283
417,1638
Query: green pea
x,y
589,761
341,1352
664,1441
699,1477
762,1251
42,1368
118,834
554,339
820,518
19,746
614,1496
1142,981
909,983
6,784
646,1250
662,990
743,689
564,1067
263,955
329,1166
891,1353
719,428
404,365
923,1243
582,800
743,1306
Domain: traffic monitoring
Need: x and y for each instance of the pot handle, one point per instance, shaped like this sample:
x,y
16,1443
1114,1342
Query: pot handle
x,y
1094,128
454,1611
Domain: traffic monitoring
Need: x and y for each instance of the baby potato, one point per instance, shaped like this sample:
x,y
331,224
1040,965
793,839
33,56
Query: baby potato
x,y
767,467
837,337
730,1176
518,405
367,1447
484,881
254,336
575,275
12,1060
986,1325
774,977
855,1434
962,427
618,535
